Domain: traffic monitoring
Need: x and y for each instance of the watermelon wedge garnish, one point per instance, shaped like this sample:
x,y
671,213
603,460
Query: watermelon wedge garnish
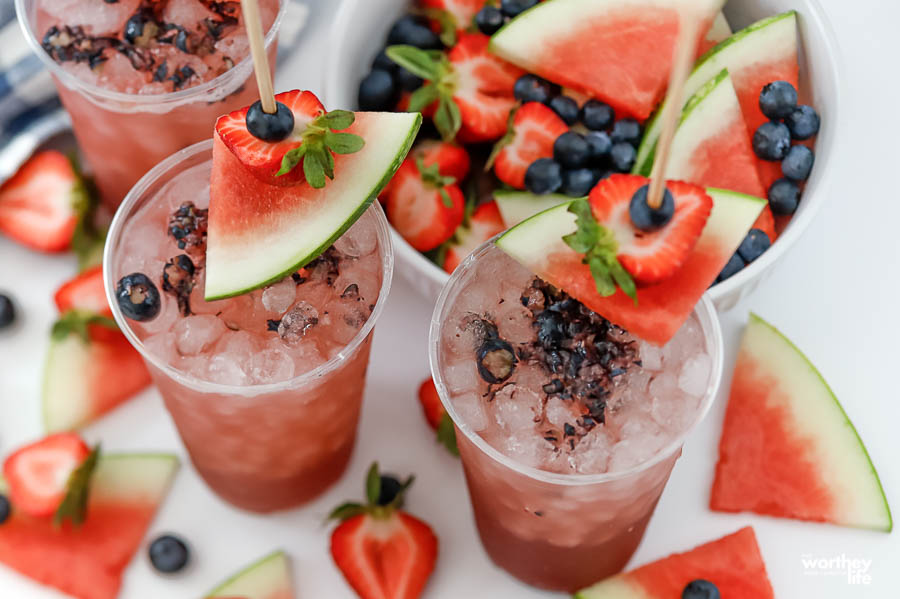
x,y
87,562
788,448
662,307
268,578
516,206
733,563
620,53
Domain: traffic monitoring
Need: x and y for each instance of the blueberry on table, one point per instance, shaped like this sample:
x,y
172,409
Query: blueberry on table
x,y
784,196
377,91
645,217
270,127
566,108
390,487
544,175
803,122
734,265
772,141
754,244
5,509
778,99
138,297
700,589
489,20
513,8
571,150
622,155
628,130
578,182
599,145
411,31
531,88
7,311
169,554
407,81
597,115
798,163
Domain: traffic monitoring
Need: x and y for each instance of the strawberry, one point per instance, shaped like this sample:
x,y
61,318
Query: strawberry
x,y
84,292
38,474
450,17
452,160
382,551
423,205
38,204
531,134
437,416
484,223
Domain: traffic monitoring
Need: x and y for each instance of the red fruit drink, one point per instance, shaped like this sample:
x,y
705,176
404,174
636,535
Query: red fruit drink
x,y
568,427
142,79
265,388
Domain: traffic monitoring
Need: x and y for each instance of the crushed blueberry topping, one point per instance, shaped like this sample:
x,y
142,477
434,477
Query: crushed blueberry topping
x,y
178,280
188,226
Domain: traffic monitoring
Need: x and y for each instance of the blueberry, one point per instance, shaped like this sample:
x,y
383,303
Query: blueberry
x,y
411,31
772,141
531,88
269,127
544,175
489,20
566,108
383,63
597,115
5,509
601,173
803,122
377,92
407,81
578,182
628,130
571,150
798,163
169,554
7,311
599,145
513,8
496,360
646,218
551,329
390,487
754,244
734,265
134,27
622,156
138,297
700,589
784,196
778,99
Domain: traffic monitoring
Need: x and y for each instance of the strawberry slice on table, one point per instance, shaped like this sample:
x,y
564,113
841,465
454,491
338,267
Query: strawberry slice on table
x,y
84,292
485,222
382,551
423,205
531,134
38,205
437,416
38,474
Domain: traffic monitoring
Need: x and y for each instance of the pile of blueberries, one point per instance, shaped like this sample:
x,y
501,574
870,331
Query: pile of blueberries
x,y
773,141
579,160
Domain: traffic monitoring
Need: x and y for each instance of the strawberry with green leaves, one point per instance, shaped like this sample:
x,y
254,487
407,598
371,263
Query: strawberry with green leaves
x,y
532,131
484,222
382,551
451,18
437,416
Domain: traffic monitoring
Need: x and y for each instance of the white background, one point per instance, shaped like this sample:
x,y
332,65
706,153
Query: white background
x,y
835,294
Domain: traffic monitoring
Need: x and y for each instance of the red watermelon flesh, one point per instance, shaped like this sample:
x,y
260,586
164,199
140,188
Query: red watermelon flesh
x,y
733,563
87,562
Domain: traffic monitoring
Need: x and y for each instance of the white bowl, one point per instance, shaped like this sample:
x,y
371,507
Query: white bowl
x,y
361,27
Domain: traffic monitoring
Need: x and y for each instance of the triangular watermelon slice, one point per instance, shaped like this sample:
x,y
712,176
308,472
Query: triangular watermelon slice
x,y
268,578
718,32
516,206
733,563
259,233
663,307
618,52
788,448
87,562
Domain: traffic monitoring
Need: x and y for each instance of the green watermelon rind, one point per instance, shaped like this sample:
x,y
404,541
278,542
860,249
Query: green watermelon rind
x,y
255,580
216,290
509,203
757,321
700,75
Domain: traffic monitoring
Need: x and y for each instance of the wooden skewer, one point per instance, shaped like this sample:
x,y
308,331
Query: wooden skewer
x,y
253,24
681,67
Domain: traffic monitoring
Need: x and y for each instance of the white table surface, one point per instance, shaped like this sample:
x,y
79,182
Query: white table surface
x,y
835,295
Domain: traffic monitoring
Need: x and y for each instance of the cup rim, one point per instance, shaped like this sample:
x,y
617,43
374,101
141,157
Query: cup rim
x,y
122,216
73,82
709,322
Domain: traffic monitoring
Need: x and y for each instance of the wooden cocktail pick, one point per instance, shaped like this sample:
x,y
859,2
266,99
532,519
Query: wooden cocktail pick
x,y
253,24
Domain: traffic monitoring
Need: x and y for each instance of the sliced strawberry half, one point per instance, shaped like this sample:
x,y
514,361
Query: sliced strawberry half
x,y
263,158
650,257
37,205
452,159
424,206
38,474
84,292
436,416
451,16
530,136
484,223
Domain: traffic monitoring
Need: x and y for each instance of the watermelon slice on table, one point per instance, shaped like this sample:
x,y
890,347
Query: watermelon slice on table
x,y
87,562
733,563
268,578
788,448
662,307
618,52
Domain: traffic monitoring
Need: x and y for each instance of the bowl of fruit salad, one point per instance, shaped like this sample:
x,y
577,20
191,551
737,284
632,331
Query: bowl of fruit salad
x,y
522,114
